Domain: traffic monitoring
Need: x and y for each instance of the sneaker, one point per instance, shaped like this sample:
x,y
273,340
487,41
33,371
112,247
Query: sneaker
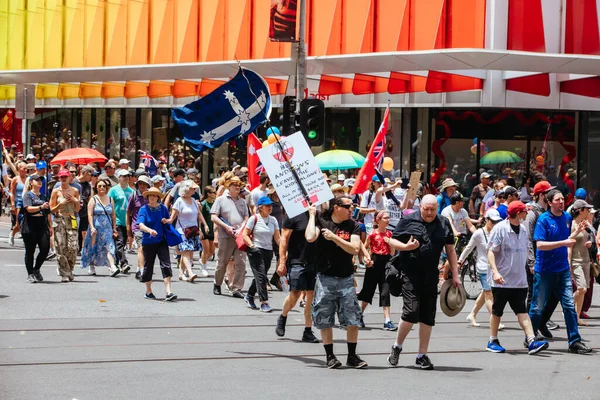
x,y
501,327
333,362
394,355
238,294
551,325
579,348
536,347
423,362
472,321
493,346
217,290
302,303
31,279
150,296
361,323
192,278
138,275
51,255
251,304
132,251
92,270
265,307
355,361
309,337
125,269
280,328
11,240
114,272
545,332
64,279
38,276
204,272
71,278
389,326
171,297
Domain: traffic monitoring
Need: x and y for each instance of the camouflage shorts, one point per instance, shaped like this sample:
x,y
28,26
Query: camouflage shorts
x,y
335,295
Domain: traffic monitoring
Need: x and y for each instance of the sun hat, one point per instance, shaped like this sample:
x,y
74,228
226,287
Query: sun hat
x,y
336,187
145,180
448,182
452,299
493,214
542,187
264,201
153,192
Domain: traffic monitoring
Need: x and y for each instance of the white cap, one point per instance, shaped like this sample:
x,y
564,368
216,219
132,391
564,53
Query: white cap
x,y
493,214
124,161
123,172
29,156
341,177
157,178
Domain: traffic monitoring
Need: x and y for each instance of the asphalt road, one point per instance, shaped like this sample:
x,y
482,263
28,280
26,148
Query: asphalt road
x,y
98,338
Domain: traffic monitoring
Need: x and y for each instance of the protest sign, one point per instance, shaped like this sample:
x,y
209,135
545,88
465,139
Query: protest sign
x,y
414,186
303,161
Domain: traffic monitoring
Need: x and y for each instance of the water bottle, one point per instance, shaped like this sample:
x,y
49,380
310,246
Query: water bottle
x,y
285,286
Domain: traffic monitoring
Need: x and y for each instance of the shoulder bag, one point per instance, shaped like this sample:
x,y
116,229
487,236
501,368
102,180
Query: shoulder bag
x,y
239,240
191,231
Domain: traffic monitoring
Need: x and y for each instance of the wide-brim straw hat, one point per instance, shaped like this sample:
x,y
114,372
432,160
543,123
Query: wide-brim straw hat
x,y
153,192
449,182
452,299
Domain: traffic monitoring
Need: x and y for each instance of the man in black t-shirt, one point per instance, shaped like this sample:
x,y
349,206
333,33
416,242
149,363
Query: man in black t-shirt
x,y
433,234
296,260
337,242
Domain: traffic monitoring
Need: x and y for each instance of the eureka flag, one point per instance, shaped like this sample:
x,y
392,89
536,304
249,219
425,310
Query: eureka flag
x,y
228,112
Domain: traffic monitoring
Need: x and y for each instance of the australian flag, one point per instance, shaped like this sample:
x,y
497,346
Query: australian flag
x,y
232,110
149,162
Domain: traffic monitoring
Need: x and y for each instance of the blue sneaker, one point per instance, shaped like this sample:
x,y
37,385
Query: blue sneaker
x,y
536,347
250,301
265,307
494,347
389,326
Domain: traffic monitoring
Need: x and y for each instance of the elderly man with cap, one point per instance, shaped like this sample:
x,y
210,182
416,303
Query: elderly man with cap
x,y
136,202
476,206
229,213
158,182
120,195
124,164
446,190
507,254
110,173
552,272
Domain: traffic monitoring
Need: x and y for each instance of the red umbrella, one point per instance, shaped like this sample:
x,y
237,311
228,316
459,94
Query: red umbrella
x,y
79,155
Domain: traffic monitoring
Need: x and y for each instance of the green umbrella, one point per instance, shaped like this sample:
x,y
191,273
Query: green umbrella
x,y
500,157
339,159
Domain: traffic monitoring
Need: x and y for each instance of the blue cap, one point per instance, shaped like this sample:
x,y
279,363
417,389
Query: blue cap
x,y
264,201
580,194
375,178
41,165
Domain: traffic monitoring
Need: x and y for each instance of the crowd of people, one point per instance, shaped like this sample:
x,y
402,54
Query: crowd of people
x,y
530,256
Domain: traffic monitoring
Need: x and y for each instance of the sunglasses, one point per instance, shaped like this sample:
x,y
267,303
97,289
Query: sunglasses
x,y
73,172
346,206
63,177
101,185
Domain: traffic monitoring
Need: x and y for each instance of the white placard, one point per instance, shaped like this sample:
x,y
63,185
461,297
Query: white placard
x,y
307,169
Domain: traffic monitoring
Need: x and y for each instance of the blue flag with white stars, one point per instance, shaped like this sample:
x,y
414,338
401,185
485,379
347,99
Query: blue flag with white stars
x,y
232,110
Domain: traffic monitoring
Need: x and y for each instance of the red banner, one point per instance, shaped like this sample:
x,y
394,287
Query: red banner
x,y
255,167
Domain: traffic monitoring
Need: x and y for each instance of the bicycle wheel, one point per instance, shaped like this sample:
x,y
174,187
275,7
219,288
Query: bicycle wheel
x,y
470,280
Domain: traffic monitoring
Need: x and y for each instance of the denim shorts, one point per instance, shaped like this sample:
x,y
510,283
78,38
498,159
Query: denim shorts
x,y
485,284
333,295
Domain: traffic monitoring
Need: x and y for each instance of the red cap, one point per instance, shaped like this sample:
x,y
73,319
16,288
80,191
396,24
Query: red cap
x,y
516,207
542,187
63,172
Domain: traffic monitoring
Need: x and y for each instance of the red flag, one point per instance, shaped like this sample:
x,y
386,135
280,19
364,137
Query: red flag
x,y
255,167
374,158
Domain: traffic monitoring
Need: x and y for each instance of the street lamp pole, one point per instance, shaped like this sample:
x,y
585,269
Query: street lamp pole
x,y
301,57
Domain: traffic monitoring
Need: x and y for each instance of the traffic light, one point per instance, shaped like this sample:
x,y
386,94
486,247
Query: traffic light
x,y
312,121
289,116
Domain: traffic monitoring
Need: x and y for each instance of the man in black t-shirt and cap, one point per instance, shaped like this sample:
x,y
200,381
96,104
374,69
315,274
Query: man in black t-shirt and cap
x,y
420,266
296,260
337,240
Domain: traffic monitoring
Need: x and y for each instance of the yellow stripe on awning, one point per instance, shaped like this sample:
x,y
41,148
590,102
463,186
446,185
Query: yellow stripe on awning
x,y
68,91
7,92
46,91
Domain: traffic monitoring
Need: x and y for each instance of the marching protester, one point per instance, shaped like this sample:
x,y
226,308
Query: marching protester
x,y
229,212
110,169
152,219
209,195
381,253
136,202
84,179
99,245
552,272
476,203
371,202
479,242
337,239
36,228
64,203
158,182
421,237
297,261
120,195
507,254
16,189
446,190
261,230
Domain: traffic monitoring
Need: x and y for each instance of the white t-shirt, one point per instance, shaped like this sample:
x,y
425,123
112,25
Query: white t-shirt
x,y
510,251
395,213
371,204
459,219
257,193
262,235
187,214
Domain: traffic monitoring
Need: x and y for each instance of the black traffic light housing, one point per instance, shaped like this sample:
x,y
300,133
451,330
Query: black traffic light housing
x,y
312,121
288,117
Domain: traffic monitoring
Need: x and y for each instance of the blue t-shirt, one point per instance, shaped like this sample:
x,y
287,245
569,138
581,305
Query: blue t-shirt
x,y
443,201
151,219
550,228
502,210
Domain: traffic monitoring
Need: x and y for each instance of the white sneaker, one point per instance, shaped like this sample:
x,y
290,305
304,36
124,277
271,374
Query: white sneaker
x,y
500,327
11,240
92,270
57,271
204,272
472,321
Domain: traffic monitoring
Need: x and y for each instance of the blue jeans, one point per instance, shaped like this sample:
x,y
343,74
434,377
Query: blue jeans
x,y
559,283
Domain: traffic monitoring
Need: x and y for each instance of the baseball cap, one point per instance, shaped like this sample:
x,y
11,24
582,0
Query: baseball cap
x,y
509,190
29,156
375,178
35,177
63,172
493,214
264,201
192,171
542,187
41,165
124,161
140,171
145,180
123,172
580,204
516,207
580,194
341,177
484,175
179,172
157,178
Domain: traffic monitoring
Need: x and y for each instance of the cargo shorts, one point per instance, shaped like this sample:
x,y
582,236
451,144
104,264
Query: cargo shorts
x,y
333,295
